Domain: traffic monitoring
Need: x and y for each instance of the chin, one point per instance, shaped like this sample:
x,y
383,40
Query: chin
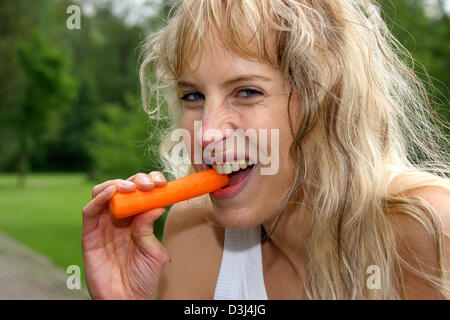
x,y
243,204
236,218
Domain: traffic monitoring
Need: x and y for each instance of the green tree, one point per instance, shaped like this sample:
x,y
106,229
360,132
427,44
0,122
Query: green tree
x,y
426,37
48,88
125,141
104,61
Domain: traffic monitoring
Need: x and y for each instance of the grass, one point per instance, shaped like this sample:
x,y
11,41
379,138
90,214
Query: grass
x,y
46,214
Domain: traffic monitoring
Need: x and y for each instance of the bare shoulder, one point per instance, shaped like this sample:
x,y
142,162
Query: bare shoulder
x,y
416,242
194,244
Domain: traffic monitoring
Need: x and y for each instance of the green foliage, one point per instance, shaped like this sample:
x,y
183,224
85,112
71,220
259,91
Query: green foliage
x,y
48,86
120,145
426,37
67,151
48,89
101,57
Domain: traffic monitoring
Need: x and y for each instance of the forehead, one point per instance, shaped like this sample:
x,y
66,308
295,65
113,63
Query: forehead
x,y
215,55
237,36
217,63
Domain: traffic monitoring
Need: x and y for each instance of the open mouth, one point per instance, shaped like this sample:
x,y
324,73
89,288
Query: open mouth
x,y
238,172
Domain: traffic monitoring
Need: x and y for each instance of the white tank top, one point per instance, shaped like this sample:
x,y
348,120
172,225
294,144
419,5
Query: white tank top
x,y
241,272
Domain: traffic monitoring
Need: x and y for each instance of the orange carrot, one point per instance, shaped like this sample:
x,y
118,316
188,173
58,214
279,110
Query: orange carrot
x,y
123,205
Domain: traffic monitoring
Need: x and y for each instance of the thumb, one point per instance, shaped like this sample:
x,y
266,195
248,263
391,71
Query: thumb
x,y
142,230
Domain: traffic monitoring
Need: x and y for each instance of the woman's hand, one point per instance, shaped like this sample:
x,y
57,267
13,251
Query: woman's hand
x,y
122,258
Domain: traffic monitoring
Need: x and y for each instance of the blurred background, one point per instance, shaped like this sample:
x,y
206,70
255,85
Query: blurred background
x,y
70,112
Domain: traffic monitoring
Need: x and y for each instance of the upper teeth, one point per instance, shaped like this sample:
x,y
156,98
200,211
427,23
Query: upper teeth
x,y
234,166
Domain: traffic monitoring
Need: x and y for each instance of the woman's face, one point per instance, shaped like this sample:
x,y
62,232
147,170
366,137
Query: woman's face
x,y
227,92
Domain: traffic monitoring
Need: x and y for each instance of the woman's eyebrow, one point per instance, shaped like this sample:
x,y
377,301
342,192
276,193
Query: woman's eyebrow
x,y
184,84
245,78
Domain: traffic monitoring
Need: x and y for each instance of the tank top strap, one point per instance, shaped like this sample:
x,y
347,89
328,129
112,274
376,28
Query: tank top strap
x,y
395,171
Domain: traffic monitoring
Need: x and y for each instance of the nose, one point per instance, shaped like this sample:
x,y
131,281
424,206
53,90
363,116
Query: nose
x,y
215,125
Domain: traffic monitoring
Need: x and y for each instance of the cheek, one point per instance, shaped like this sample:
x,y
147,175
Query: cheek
x,y
282,145
188,123
188,117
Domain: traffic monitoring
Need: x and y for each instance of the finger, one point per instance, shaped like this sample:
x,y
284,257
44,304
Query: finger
x,y
98,204
142,230
100,187
125,186
95,208
158,178
143,181
121,186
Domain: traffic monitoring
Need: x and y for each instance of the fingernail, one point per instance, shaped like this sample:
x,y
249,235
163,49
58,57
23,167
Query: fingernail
x,y
126,183
108,189
158,177
146,180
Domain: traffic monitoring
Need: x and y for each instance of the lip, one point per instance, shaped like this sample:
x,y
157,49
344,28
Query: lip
x,y
234,190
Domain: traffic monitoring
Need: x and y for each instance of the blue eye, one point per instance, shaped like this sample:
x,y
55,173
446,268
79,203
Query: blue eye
x,y
192,96
249,93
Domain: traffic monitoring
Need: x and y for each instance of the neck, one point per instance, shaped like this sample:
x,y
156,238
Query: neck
x,y
288,235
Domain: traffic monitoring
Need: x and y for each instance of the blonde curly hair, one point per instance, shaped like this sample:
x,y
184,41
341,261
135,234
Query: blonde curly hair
x,y
364,109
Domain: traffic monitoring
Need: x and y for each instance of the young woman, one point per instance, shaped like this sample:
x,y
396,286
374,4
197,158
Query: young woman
x,y
359,206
